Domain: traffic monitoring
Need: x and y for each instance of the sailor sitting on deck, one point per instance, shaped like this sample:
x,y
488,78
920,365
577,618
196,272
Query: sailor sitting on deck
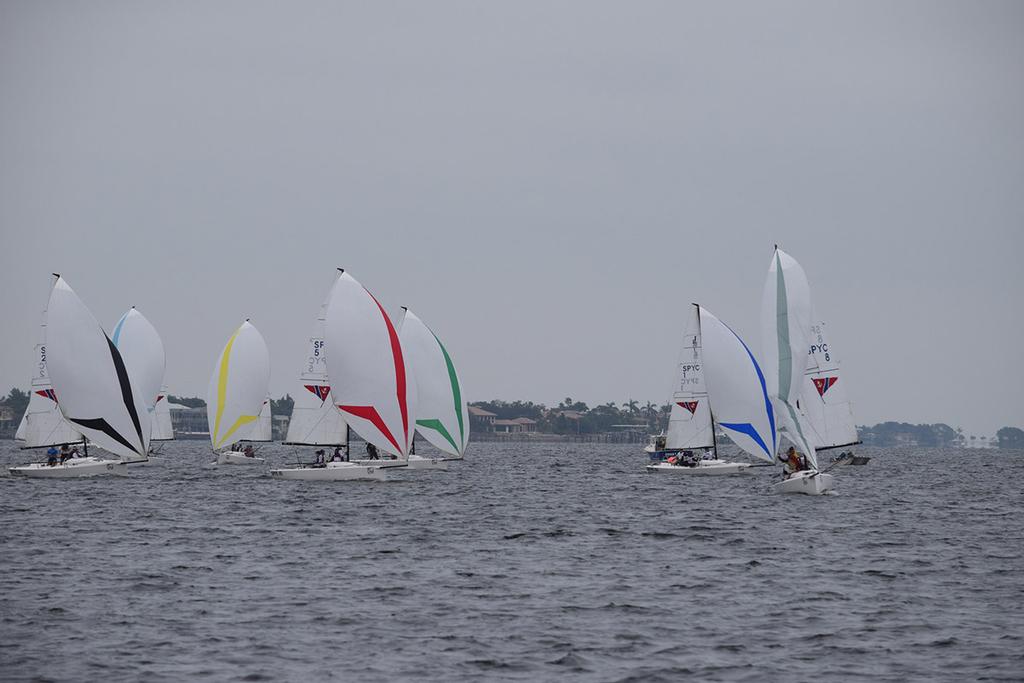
x,y
65,453
249,452
319,457
688,459
792,462
51,456
371,451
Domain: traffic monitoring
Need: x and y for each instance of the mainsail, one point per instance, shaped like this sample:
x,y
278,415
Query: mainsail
x,y
823,397
96,394
442,415
263,431
162,428
690,423
370,377
315,420
43,424
238,386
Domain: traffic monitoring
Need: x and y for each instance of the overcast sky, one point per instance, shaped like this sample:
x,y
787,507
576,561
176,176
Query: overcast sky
x,y
547,185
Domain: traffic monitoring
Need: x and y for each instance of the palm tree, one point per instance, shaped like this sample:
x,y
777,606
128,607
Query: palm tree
x,y
632,406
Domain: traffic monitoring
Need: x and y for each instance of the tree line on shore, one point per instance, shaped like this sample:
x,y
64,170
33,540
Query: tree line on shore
x,y
576,417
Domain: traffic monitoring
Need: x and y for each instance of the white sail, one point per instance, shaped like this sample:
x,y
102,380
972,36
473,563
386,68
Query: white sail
x,y
823,399
43,424
689,423
143,353
264,429
163,430
238,386
315,420
94,389
442,417
736,388
785,325
370,378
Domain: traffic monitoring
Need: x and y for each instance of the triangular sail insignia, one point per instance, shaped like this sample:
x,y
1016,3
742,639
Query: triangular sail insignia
x,y
823,384
689,405
48,393
321,392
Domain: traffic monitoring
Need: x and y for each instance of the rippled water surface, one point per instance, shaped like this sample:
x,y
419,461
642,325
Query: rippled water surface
x,y
526,562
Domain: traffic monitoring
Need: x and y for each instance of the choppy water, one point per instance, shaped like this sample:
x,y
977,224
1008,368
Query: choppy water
x,y
525,562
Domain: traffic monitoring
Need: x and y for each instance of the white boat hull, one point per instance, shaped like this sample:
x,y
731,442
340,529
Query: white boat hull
x,y
333,471
236,458
809,482
71,469
415,462
703,468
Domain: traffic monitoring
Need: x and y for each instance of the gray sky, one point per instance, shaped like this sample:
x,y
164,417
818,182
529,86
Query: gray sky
x,y
547,184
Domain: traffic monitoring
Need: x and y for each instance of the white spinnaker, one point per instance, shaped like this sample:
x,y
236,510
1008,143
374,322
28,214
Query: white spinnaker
x,y
143,353
829,415
689,423
315,420
163,430
442,417
94,390
370,377
264,429
238,386
785,325
736,388
43,424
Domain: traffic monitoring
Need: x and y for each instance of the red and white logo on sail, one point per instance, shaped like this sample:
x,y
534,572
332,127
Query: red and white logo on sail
x,y
689,405
822,384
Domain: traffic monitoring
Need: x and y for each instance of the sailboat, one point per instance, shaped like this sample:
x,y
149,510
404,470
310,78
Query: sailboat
x,y
92,388
785,328
823,401
43,425
143,352
370,382
691,423
315,420
736,387
442,415
237,392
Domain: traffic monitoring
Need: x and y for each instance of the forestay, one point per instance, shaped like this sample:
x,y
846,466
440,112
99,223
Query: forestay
x,y
690,423
442,416
315,420
823,399
238,386
43,424
370,378
94,389
736,387
785,325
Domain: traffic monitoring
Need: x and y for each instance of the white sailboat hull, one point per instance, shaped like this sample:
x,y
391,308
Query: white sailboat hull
x,y
415,462
333,471
702,468
809,482
71,469
235,458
